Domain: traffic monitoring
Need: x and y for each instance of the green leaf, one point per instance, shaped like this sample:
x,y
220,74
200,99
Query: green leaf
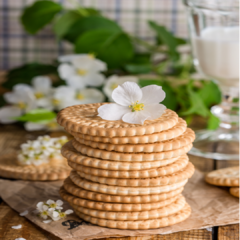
x,y
64,22
113,47
210,93
26,73
88,24
146,82
36,16
170,100
37,115
197,104
165,37
180,41
138,68
213,122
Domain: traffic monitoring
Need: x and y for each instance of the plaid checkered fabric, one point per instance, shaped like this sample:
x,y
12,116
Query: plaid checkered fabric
x,y
17,47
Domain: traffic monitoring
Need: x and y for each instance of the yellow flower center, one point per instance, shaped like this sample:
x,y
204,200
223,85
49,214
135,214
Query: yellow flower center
x,y
52,125
79,96
44,213
55,102
91,55
62,214
21,105
39,95
113,86
136,106
81,72
53,205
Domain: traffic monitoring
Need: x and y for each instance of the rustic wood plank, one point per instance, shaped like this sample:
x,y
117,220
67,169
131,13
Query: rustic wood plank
x,y
229,232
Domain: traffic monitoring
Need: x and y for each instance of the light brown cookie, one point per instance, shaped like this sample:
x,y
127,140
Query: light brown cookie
x,y
224,177
178,165
69,152
171,209
83,118
142,224
185,139
55,170
77,191
234,191
116,190
115,207
171,133
138,157
179,176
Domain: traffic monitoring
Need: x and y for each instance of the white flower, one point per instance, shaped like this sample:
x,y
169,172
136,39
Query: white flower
x,y
113,82
42,90
88,95
55,205
42,210
59,142
51,126
81,70
59,215
21,97
30,148
134,104
7,114
54,214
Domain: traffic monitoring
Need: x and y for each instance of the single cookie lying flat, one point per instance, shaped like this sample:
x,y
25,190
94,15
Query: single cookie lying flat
x,y
83,118
77,191
171,133
224,177
142,224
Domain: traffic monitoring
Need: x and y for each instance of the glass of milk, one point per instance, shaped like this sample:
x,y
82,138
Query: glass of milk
x,y
214,35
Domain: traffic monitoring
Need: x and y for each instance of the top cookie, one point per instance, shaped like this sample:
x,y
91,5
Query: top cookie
x,y
83,118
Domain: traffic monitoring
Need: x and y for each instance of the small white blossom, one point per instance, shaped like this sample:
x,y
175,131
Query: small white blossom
x,y
134,104
47,221
55,205
81,70
113,82
42,210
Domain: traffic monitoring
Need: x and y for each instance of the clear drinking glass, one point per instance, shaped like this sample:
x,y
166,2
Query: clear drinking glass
x,y
214,34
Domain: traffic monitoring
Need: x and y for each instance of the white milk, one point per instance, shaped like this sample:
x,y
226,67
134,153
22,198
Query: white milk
x,y
217,52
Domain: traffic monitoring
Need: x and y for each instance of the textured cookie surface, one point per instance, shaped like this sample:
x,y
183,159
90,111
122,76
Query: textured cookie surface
x,y
185,139
173,208
234,191
117,190
138,157
115,207
171,133
55,170
224,177
147,173
76,158
179,176
77,191
83,118
142,224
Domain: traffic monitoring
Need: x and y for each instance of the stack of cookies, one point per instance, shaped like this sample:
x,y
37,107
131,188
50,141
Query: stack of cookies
x,y
126,176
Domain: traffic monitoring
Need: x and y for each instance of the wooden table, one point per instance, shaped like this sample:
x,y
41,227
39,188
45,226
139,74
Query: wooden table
x,y
11,136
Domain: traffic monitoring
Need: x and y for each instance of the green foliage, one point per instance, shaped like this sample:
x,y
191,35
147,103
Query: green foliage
x,y
166,38
213,122
26,73
114,48
90,23
64,22
37,116
38,15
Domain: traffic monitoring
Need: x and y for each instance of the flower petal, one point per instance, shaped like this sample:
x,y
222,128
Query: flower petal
x,y
65,71
55,214
24,213
59,202
76,81
7,114
69,211
90,95
152,94
135,117
47,221
49,202
30,126
99,65
94,79
112,111
127,93
154,111
17,227
41,84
